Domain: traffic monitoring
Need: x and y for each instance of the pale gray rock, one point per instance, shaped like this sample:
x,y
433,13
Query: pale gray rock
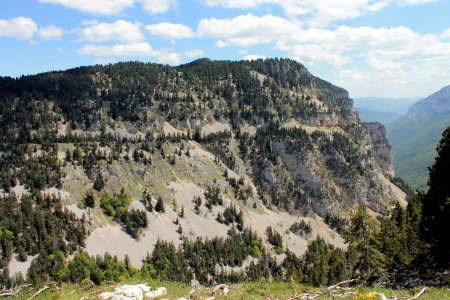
x,y
133,292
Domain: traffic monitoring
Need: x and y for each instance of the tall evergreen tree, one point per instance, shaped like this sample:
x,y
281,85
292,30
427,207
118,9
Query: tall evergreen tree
x,y
159,207
436,202
363,250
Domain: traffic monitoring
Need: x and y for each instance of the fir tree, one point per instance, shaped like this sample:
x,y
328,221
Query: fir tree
x,y
99,183
363,250
436,202
89,200
159,207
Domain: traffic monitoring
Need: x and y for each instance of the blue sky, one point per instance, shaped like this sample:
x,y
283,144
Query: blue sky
x,y
387,48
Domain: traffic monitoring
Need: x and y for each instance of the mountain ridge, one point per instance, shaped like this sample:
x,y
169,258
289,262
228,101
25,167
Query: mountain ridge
x,y
261,143
415,135
436,103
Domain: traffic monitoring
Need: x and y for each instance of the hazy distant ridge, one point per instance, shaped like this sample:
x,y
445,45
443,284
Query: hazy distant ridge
x,y
382,110
414,136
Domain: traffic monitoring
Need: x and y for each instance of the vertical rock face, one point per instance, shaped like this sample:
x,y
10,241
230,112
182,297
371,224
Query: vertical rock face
x,y
377,142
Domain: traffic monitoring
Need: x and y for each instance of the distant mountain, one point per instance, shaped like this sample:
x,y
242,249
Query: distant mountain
x,y
438,103
371,115
382,110
414,136
396,105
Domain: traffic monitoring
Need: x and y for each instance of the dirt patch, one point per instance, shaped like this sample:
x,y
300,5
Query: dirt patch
x,y
281,221
76,210
399,194
215,127
311,129
195,225
16,266
114,240
52,191
250,129
169,129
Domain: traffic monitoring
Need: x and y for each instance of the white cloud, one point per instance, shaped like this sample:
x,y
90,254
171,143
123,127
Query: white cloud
x,y
137,49
51,33
120,30
170,30
314,55
446,34
238,3
20,28
102,7
415,2
158,6
318,12
245,30
406,81
254,57
194,53
167,57
130,50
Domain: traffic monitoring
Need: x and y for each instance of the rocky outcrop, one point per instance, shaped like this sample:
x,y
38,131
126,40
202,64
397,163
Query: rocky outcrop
x,y
323,187
376,141
133,292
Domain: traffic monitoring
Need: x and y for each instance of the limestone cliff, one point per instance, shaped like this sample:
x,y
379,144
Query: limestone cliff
x,y
377,143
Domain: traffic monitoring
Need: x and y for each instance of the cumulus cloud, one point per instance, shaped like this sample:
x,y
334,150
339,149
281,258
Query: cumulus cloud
x,y
318,12
327,10
194,53
170,30
238,3
130,50
102,7
20,28
158,6
415,2
446,34
314,54
167,57
51,33
137,49
245,30
120,30
254,57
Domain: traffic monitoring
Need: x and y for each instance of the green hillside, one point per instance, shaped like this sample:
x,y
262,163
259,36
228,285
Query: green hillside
x,y
413,141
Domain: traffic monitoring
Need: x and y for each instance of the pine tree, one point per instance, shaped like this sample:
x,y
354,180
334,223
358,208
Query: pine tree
x,y
68,155
436,202
99,183
414,210
148,201
363,247
159,207
89,200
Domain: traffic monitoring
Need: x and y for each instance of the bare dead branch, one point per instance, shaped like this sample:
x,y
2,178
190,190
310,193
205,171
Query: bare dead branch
x,y
418,294
13,291
45,287
329,291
